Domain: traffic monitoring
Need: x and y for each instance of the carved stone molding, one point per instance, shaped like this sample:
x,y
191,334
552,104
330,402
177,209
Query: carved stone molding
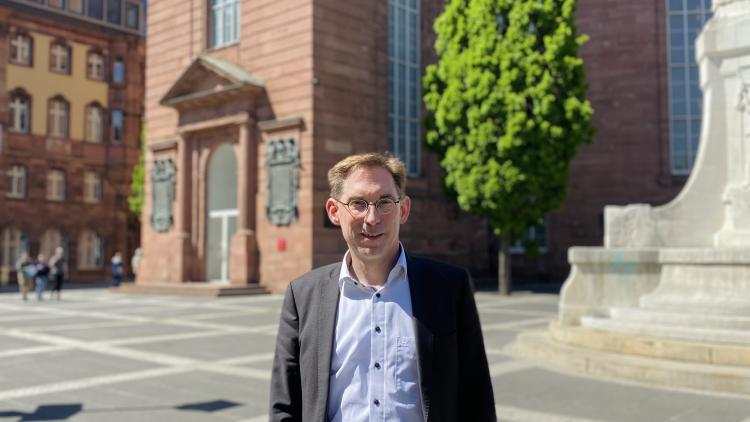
x,y
282,162
162,194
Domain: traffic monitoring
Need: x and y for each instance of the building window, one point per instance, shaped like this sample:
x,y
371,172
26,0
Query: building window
x,y
12,243
536,235
51,240
132,15
224,23
685,20
95,9
57,126
55,185
94,123
404,81
117,124
90,254
114,11
20,112
59,58
118,70
95,66
92,187
16,175
20,49
75,6
58,4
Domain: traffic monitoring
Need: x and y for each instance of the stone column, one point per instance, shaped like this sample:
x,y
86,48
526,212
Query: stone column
x,y
183,270
244,250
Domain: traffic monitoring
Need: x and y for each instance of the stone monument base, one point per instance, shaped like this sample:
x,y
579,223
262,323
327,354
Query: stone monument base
x,y
650,360
670,316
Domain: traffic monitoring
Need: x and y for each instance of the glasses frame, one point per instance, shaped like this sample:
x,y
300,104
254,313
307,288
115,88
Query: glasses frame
x,y
367,211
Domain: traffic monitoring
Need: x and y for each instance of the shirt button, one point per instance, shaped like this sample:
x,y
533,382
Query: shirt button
x,y
377,365
377,294
376,402
355,283
377,329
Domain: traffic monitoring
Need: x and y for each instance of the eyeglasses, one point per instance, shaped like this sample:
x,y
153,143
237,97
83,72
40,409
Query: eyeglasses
x,y
358,207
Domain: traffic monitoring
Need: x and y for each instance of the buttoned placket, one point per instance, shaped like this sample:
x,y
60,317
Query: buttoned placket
x,y
377,356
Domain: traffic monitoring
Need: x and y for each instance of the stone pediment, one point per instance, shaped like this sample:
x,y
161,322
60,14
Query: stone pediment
x,y
209,80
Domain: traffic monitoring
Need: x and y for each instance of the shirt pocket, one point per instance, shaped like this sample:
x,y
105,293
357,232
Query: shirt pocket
x,y
407,374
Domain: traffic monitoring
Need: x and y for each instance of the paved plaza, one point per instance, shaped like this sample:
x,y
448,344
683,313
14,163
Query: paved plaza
x,y
103,356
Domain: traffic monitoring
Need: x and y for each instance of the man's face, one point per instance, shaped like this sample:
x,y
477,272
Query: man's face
x,y
372,237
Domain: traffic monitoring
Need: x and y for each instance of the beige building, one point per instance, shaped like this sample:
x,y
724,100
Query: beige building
x,y
248,103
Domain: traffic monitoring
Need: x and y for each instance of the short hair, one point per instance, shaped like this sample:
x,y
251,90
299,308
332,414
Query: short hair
x,y
341,170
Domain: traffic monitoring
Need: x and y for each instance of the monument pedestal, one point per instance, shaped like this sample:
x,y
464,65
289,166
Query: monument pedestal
x,y
667,300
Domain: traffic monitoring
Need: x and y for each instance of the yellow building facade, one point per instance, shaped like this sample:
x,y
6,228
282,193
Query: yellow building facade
x,y
42,84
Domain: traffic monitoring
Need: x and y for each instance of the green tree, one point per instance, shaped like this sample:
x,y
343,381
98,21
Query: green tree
x,y
507,109
137,183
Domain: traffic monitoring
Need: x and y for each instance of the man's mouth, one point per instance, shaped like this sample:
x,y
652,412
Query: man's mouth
x,y
371,236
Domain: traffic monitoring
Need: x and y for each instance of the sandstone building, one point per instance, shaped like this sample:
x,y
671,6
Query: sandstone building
x,y
249,102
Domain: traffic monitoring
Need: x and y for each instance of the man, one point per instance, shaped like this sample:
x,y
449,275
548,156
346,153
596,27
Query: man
x,y
25,270
382,335
57,271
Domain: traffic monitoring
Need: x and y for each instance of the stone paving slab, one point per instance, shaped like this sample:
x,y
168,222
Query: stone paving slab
x,y
101,356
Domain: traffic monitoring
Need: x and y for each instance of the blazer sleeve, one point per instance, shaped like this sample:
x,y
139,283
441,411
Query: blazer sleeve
x,y
286,387
476,401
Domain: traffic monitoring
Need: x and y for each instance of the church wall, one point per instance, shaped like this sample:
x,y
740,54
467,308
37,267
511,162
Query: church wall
x,y
351,116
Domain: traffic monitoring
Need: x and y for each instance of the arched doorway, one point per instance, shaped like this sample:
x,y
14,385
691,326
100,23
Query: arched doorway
x,y
221,218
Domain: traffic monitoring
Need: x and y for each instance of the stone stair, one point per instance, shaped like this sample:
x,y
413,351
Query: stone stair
x,y
204,289
640,358
699,327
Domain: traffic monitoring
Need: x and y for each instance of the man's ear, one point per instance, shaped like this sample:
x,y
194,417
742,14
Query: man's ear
x,y
332,209
405,208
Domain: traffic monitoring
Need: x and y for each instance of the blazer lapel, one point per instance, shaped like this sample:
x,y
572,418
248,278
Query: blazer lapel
x,y
328,305
420,304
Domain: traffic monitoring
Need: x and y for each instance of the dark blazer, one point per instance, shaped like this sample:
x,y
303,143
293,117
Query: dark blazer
x,y
454,375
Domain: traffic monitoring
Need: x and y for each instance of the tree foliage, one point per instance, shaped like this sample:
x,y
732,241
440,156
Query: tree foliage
x,y
507,106
137,184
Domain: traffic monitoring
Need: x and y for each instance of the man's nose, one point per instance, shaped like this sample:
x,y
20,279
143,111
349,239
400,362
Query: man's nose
x,y
371,215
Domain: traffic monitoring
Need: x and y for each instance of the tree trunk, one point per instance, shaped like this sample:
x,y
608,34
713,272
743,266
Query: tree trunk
x,y
503,268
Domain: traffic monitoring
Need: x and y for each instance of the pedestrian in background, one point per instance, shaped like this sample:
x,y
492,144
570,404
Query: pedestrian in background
x,y
25,270
116,269
41,276
135,262
57,271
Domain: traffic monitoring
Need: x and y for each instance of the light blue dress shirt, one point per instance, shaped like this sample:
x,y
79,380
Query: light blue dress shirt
x,y
374,370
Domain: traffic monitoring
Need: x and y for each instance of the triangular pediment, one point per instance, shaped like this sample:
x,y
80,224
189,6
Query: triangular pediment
x,y
209,77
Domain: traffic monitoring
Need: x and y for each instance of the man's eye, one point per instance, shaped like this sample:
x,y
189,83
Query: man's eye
x,y
358,205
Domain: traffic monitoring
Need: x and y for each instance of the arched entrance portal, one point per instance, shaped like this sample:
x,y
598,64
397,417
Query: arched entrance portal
x,y
222,211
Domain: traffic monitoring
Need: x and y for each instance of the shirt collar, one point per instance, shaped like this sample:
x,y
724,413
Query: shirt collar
x,y
346,275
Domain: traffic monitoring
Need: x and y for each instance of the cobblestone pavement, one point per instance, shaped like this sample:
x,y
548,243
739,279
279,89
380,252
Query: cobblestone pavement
x,y
103,356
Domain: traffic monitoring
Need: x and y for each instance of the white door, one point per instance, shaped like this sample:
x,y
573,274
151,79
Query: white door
x,y
222,225
221,218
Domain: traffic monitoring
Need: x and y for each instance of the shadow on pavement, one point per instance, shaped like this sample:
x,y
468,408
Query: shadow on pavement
x,y
61,412
46,412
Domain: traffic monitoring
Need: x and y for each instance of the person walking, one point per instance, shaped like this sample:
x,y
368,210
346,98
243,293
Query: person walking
x,y
41,277
135,262
25,270
57,271
116,269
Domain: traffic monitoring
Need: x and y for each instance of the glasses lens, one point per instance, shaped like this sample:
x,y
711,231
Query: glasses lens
x,y
385,206
358,206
